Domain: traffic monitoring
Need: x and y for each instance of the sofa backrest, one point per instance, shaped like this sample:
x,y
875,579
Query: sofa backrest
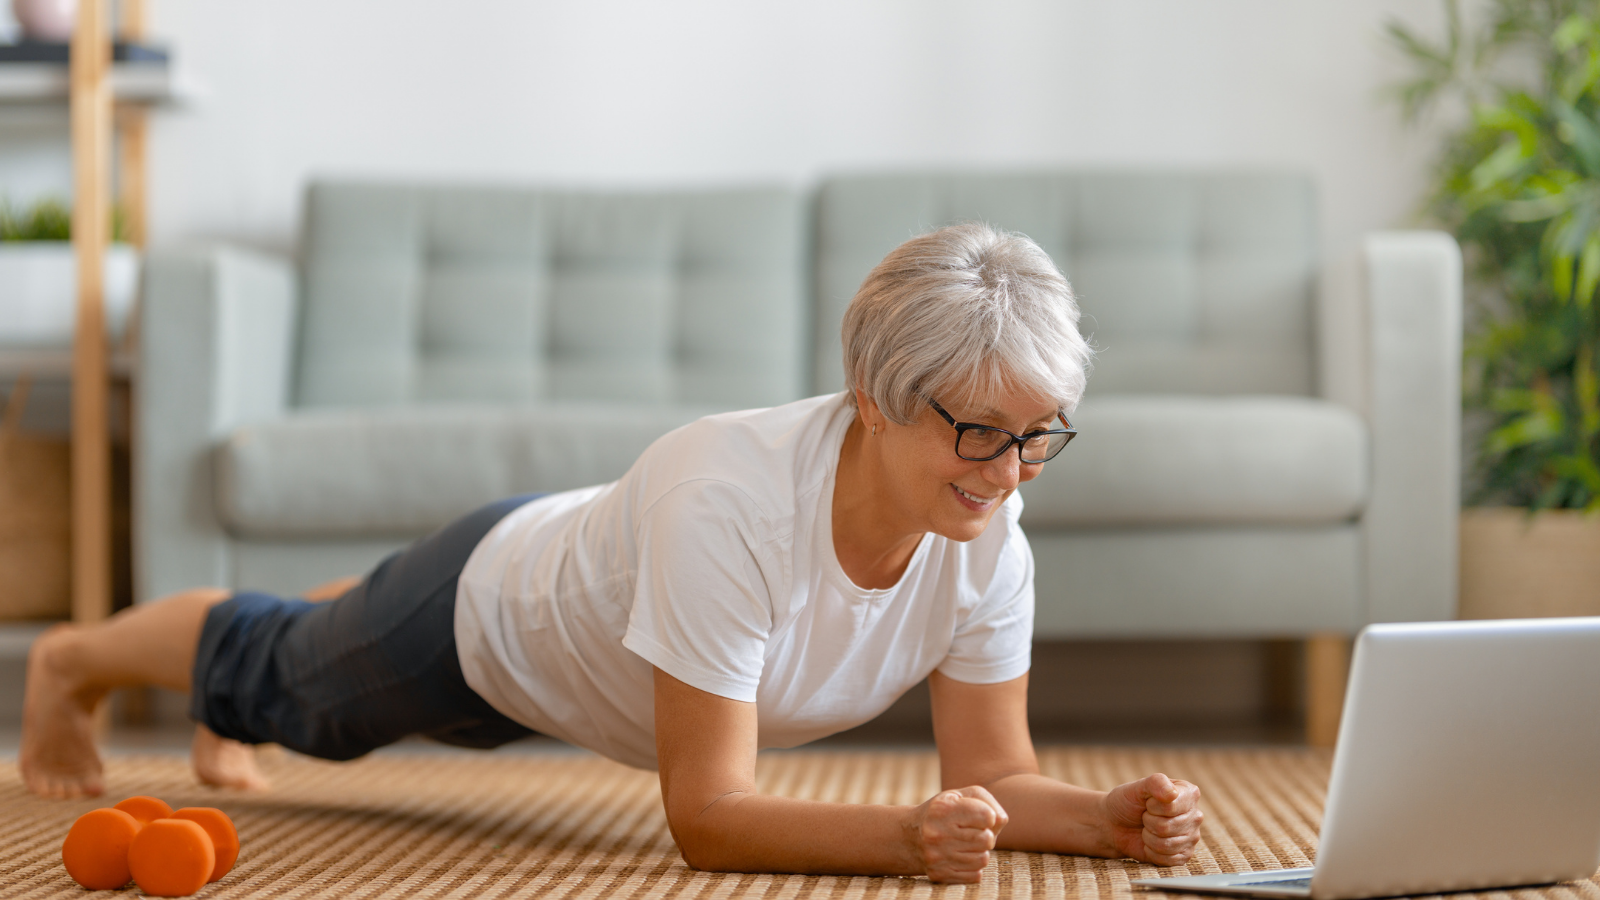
x,y
1189,282
431,293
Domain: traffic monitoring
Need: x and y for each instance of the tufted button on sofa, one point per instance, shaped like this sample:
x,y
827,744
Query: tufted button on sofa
x,y
438,347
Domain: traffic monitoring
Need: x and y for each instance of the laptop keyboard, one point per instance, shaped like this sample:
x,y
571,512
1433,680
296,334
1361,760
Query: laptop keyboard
x,y
1285,882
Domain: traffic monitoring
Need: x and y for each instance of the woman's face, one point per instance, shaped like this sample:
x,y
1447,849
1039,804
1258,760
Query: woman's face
x,y
939,491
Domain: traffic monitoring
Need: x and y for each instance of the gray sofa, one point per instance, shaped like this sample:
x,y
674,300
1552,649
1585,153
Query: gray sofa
x,y
440,346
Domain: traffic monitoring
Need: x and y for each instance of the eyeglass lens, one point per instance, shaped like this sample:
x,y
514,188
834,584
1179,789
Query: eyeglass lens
x,y
987,443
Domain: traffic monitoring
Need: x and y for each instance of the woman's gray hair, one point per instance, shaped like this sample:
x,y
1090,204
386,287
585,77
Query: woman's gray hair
x,y
964,315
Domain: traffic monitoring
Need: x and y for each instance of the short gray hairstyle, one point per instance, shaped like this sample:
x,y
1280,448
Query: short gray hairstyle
x,y
965,314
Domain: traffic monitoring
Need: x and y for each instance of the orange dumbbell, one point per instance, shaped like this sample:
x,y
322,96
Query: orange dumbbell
x,y
224,838
96,849
166,853
145,809
171,858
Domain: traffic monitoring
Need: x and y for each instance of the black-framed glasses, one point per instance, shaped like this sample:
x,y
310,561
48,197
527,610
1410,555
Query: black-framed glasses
x,y
980,443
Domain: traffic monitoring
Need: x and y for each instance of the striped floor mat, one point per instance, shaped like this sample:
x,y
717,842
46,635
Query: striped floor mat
x,y
574,826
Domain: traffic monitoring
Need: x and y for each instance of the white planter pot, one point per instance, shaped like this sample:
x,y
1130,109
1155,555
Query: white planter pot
x,y
39,292
1513,566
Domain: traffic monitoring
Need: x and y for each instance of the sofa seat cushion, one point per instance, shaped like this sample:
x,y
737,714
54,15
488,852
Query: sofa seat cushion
x,y
408,470
1180,460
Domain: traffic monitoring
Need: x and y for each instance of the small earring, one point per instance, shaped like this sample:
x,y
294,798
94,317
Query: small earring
x,y
874,430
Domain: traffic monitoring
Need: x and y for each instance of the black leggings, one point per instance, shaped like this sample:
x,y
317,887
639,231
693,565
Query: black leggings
x,y
339,679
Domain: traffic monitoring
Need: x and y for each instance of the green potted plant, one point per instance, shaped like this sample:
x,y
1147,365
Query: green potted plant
x,y
1518,183
39,276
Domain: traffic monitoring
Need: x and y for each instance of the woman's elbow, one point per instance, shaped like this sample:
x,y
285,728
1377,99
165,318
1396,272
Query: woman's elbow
x,y
702,848
703,860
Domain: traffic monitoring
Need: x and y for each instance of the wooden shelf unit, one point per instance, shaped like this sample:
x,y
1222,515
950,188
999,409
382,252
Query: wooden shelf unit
x,y
90,85
106,107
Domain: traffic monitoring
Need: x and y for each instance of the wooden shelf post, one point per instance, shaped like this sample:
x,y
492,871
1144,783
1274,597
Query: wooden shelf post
x,y
1327,671
91,208
131,140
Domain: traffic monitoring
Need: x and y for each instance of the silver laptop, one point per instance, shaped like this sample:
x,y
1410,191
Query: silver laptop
x,y
1468,758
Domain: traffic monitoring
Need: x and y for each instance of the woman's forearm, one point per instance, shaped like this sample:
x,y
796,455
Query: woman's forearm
x,y
1051,817
747,832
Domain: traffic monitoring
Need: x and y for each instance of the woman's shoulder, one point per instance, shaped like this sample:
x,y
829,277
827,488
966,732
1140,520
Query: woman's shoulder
x,y
775,427
772,455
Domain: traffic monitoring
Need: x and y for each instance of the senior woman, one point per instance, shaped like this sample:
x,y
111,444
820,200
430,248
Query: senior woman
x,y
756,579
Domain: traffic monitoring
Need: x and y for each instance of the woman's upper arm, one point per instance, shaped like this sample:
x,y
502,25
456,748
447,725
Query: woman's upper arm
x,y
706,750
981,730
701,609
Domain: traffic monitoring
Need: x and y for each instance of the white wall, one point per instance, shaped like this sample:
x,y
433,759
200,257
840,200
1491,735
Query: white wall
x,y
645,91
727,90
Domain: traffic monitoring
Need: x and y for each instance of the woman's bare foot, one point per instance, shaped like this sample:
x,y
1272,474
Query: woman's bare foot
x,y
58,757
223,763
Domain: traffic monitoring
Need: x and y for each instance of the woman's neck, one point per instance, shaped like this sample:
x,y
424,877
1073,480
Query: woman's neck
x,y
871,541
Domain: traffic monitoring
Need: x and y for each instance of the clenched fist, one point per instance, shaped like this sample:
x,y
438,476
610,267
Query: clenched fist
x,y
1154,820
953,833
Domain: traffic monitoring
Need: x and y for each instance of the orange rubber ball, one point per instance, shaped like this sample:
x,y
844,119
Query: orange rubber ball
x,y
96,849
171,858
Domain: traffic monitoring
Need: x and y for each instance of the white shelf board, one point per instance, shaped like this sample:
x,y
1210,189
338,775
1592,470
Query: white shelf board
x,y
17,637
53,362
130,83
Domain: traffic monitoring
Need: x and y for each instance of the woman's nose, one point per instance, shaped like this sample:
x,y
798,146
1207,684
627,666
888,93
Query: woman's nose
x,y
1004,471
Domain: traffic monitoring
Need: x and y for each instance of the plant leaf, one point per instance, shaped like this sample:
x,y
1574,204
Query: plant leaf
x,y
1571,33
1498,166
1586,391
1561,275
1588,269
1541,425
1552,194
1581,469
1512,400
1580,132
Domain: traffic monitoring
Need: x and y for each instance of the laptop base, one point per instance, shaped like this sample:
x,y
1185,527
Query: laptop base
x,y
1279,883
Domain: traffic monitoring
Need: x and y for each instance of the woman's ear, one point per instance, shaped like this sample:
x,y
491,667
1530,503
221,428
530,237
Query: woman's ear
x,y
872,418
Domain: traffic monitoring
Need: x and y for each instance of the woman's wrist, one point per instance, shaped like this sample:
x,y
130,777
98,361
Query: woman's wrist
x,y
1094,835
1104,832
909,849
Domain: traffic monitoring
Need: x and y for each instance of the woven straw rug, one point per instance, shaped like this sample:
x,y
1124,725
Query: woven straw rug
x,y
501,826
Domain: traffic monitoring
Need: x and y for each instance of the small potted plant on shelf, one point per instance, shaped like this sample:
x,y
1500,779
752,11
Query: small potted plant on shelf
x,y
1518,183
39,277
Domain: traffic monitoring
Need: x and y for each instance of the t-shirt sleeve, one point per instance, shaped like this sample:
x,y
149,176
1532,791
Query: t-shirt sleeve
x,y
994,640
701,607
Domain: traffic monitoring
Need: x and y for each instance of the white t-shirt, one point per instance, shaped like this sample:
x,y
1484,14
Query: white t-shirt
x,y
713,559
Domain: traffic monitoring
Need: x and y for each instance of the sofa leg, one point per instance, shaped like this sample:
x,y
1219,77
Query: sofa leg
x,y
1327,669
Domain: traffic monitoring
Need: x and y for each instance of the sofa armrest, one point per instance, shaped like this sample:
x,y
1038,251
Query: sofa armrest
x,y
1414,294
216,345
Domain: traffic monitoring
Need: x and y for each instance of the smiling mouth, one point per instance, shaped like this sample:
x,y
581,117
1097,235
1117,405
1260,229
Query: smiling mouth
x,y
972,500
